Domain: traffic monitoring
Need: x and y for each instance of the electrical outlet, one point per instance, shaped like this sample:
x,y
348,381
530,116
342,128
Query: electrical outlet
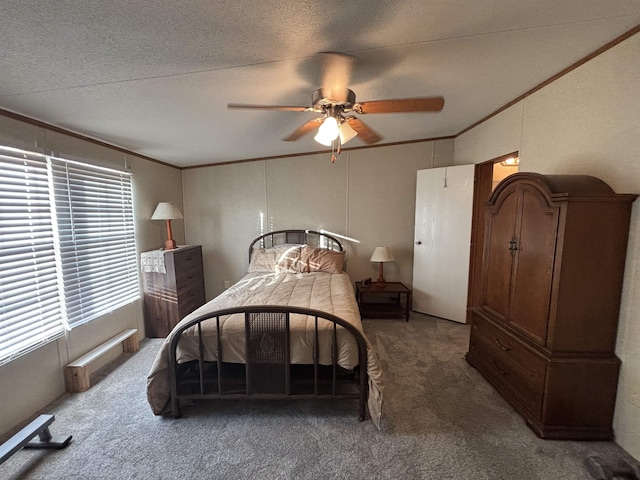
x,y
634,395
227,284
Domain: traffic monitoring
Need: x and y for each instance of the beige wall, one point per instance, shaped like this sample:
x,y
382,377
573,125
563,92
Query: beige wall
x,y
32,381
367,195
587,122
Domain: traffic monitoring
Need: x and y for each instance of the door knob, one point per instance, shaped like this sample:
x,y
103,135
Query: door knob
x,y
419,242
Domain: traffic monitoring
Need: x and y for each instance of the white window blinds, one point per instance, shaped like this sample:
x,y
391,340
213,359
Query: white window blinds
x,y
30,307
67,247
97,242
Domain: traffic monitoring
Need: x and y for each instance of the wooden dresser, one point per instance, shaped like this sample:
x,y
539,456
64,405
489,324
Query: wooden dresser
x,y
168,297
544,330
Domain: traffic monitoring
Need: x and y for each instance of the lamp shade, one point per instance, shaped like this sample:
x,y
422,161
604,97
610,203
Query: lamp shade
x,y
166,211
382,254
327,132
346,133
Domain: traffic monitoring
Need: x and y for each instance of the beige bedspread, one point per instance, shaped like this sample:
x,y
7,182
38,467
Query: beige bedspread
x,y
331,293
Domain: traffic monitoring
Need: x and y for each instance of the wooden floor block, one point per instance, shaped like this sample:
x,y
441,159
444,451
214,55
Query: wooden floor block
x,y
77,379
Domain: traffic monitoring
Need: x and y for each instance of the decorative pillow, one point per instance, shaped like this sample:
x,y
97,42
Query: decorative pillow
x,y
278,259
320,260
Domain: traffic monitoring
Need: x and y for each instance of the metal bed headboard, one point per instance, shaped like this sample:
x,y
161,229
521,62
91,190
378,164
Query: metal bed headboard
x,y
302,237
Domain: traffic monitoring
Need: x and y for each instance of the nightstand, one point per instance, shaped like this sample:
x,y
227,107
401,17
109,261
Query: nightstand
x,y
384,300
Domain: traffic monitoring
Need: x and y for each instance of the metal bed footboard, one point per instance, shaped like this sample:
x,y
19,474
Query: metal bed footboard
x,y
267,371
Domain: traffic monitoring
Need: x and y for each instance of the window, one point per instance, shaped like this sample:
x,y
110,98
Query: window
x,y
68,248
30,307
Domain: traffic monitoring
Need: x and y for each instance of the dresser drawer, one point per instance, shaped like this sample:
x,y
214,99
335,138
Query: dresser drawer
x,y
190,303
188,290
189,276
507,379
187,259
507,347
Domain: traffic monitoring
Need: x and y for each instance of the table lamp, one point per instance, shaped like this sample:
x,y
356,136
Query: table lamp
x,y
167,211
382,255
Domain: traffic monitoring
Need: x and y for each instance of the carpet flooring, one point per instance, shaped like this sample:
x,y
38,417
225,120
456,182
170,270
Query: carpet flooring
x,y
441,420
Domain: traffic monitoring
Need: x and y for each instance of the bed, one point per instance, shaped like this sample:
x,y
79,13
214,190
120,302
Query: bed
x,y
290,328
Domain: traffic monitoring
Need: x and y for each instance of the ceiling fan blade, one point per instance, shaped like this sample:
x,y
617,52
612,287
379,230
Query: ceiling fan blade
x,y
285,108
403,105
304,129
336,72
364,132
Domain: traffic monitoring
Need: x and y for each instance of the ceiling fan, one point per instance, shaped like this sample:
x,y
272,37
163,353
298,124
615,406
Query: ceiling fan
x,y
337,104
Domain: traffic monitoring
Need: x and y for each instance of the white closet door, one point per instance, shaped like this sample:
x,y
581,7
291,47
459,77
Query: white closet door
x,y
444,204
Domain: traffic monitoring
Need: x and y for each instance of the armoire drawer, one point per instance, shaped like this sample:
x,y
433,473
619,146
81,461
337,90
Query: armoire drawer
x,y
509,348
504,376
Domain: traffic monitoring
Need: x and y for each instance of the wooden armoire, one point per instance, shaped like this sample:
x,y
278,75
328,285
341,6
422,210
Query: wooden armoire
x,y
544,330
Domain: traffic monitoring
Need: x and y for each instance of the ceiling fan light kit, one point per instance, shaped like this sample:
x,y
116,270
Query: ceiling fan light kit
x,y
327,132
334,99
330,130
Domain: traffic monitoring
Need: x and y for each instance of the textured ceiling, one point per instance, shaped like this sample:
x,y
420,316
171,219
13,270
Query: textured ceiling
x,y
155,77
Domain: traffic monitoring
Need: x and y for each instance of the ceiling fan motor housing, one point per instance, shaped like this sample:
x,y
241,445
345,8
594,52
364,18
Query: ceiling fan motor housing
x,y
320,101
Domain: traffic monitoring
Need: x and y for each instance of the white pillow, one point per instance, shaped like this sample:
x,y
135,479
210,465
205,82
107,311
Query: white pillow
x,y
278,259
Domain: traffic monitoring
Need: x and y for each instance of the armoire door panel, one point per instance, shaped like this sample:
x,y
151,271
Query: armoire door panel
x,y
498,259
534,256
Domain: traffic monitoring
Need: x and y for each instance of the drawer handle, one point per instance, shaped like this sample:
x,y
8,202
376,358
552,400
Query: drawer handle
x,y
502,347
500,371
